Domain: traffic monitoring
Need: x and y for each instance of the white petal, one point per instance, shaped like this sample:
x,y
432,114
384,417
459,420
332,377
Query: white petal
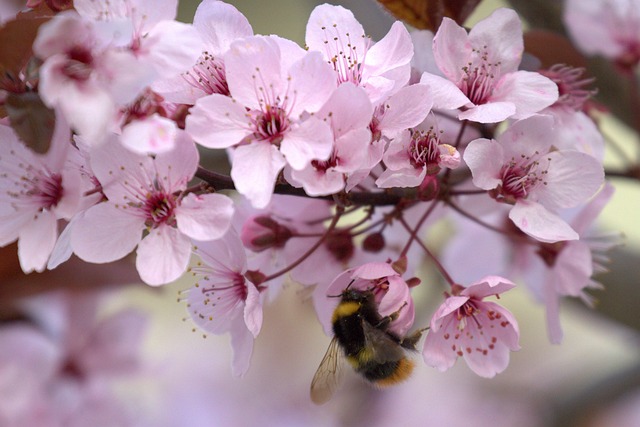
x,y
163,255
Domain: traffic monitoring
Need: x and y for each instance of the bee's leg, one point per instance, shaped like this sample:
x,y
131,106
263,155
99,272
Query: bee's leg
x,y
410,341
389,318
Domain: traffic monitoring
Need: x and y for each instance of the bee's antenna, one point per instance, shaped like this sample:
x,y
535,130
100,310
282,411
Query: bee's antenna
x,y
345,290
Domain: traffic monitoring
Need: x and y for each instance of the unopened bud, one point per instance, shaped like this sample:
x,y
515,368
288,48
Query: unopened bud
x,y
374,242
429,188
261,232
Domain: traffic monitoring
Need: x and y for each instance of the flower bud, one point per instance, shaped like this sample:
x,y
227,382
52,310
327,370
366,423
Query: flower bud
x,y
374,242
261,232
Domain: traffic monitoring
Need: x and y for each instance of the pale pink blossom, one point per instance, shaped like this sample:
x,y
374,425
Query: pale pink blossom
x,y
36,191
348,111
465,325
272,82
391,117
162,46
223,299
610,28
391,294
381,68
81,77
573,128
59,372
413,156
520,168
219,24
147,194
566,269
482,67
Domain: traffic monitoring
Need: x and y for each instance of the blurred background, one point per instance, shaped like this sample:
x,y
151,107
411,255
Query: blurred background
x,y
591,380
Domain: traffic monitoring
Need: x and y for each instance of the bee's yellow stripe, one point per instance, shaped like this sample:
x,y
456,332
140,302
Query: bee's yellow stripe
x,y
345,309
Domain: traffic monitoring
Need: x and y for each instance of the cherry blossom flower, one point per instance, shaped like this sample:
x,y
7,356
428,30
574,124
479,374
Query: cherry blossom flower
x,y
610,28
381,68
404,109
348,111
162,46
37,190
465,325
61,364
81,77
219,24
521,169
391,294
410,158
574,129
148,194
565,269
224,300
482,66
272,83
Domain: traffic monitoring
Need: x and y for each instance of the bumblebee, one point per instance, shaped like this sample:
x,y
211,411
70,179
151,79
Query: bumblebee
x,y
367,344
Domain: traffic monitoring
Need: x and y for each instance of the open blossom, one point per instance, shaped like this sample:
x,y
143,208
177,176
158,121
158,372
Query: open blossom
x,y
381,68
147,194
272,82
482,70
610,28
224,300
35,191
520,168
413,156
219,24
162,46
348,111
482,332
391,294
566,269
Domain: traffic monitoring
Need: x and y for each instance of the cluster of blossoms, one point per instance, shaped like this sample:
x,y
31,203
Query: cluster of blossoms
x,y
342,154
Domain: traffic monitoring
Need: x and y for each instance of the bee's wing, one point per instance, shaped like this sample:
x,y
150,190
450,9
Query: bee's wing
x,y
329,374
382,346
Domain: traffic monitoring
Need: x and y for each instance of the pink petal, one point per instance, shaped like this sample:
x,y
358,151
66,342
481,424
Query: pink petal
x,y
242,344
220,24
253,310
171,47
177,167
530,92
485,159
153,135
451,49
312,81
402,178
217,121
36,242
501,35
445,94
254,171
449,305
571,179
106,233
536,221
253,63
347,108
330,28
491,112
573,269
405,109
312,139
437,352
163,255
205,216
394,50
490,285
